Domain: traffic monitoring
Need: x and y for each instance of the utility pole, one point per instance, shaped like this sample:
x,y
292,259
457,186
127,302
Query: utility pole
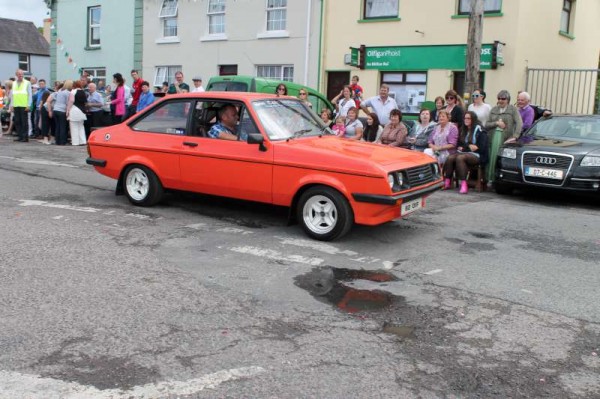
x,y
473,48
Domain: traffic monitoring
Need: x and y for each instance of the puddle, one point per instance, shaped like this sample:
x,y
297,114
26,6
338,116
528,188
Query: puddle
x,y
485,236
328,285
401,331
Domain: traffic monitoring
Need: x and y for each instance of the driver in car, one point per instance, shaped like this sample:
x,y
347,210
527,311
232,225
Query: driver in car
x,y
225,128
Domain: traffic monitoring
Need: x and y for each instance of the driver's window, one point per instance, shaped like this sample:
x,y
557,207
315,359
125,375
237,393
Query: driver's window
x,y
170,118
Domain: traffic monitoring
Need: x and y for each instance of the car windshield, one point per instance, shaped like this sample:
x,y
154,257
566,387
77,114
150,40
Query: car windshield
x,y
286,118
579,128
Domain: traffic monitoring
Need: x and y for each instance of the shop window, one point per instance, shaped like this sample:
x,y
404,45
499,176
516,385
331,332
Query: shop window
x,y
489,7
408,89
380,9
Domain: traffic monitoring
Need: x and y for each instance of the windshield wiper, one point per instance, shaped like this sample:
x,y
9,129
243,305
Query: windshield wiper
x,y
299,133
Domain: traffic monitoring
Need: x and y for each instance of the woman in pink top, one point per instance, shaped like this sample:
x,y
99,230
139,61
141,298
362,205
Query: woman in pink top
x,y
117,103
443,139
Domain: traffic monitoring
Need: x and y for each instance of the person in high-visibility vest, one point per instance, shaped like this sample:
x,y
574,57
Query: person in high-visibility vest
x,y
20,98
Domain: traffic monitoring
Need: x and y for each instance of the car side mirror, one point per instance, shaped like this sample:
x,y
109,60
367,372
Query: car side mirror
x,y
257,138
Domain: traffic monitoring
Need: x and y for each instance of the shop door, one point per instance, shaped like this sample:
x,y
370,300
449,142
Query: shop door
x,y
336,82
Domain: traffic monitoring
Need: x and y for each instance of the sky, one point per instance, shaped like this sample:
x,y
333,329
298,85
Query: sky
x,y
24,10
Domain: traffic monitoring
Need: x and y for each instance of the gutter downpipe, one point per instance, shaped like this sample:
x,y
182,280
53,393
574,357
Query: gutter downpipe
x,y
307,45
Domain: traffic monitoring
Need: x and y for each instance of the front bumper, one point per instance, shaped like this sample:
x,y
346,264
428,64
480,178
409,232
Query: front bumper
x,y
393,199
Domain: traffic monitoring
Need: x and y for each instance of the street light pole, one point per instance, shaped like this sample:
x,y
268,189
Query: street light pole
x,y
473,48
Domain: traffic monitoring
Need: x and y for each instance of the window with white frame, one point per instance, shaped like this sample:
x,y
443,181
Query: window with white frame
x,y
380,9
96,73
216,17
93,34
489,6
279,72
168,16
276,15
408,89
165,73
24,62
565,16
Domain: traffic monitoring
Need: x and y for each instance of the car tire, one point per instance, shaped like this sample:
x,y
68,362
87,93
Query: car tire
x,y
324,213
142,186
503,188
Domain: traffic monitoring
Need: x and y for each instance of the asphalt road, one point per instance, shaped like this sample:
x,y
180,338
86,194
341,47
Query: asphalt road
x,y
476,296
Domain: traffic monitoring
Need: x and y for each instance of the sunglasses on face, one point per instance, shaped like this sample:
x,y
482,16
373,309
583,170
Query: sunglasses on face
x,y
281,89
450,98
502,98
302,94
476,95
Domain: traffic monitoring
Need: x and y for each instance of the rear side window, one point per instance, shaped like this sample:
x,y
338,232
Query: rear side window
x,y
170,118
228,86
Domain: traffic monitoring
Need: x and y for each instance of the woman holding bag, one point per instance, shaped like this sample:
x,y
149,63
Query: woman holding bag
x,y
76,114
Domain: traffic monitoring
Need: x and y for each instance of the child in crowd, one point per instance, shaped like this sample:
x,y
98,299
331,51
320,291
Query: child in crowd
x,y
340,126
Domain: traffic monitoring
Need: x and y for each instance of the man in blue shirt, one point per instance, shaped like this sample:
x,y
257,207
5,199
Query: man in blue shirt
x,y
94,105
225,128
37,99
146,98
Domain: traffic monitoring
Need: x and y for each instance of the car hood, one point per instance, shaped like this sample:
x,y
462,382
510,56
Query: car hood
x,y
572,147
336,154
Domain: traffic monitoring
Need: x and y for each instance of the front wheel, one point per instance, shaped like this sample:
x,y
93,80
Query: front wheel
x,y
142,186
324,213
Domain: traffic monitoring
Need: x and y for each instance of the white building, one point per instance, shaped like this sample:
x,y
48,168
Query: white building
x,y
268,38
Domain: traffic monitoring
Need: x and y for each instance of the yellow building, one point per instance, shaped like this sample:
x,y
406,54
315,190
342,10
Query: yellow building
x,y
418,47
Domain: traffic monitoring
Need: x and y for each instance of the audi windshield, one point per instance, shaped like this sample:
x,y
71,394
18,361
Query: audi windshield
x,y
579,128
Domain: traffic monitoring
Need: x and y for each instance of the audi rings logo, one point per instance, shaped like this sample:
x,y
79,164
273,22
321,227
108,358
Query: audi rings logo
x,y
545,160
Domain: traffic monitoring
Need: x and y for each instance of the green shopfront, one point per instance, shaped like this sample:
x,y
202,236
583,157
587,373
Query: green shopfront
x,y
408,70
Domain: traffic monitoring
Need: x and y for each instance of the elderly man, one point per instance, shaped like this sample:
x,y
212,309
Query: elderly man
x,y
525,110
197,80
382,105
225,127
94,105
20,99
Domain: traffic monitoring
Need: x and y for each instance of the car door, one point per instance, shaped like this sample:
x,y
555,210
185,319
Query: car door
x,y
158,139
225,167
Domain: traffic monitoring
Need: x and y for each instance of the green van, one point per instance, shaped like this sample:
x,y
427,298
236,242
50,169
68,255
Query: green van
x,y
263,85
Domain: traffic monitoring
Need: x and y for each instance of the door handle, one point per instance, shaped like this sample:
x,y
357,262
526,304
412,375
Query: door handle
x,y
190,144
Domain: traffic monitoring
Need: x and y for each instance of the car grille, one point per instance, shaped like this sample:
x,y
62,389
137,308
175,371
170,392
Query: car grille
x,y
420,175
563,162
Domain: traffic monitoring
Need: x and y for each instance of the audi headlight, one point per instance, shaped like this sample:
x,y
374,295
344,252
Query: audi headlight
x,y
590,160
391,180
509,153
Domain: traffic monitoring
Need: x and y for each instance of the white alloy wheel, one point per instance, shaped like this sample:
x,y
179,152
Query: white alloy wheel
x,y
137,184
320,214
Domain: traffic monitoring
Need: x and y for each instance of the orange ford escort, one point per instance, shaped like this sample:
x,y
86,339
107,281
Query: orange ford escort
x,y
262,148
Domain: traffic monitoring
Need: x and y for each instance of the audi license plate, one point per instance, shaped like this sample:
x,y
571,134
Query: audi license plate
x,y
543,172
411,206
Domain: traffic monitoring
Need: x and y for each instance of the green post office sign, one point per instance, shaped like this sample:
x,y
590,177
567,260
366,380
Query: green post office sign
x,y
423,57
353,56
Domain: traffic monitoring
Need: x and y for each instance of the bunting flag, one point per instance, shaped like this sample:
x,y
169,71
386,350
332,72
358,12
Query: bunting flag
x,y
67,55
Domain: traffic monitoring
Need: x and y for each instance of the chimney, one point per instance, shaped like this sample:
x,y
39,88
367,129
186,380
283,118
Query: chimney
x,y
47,25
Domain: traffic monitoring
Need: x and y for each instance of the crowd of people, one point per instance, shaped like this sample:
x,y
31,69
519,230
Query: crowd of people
x,y
459,137
68,111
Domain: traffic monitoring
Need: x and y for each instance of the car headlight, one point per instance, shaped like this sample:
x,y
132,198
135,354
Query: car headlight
x,y
435,169
509,153
590,160
391,180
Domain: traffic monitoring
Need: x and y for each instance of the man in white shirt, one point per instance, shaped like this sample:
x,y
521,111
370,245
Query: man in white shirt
x,y
382,105
197,84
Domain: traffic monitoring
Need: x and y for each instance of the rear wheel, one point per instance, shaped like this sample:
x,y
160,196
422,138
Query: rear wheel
x,y
324,213
142,186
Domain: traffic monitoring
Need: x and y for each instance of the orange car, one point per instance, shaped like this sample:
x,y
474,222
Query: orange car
x,y
271,149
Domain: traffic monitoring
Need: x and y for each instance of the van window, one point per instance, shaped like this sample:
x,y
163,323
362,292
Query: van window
x,y
228,86
317,103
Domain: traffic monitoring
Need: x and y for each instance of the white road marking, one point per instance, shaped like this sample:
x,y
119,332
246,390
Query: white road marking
x,y
40,162
434,271
17,385
234,230
275,255
388,265
58,217
59,206
319,246
526,291
196,226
